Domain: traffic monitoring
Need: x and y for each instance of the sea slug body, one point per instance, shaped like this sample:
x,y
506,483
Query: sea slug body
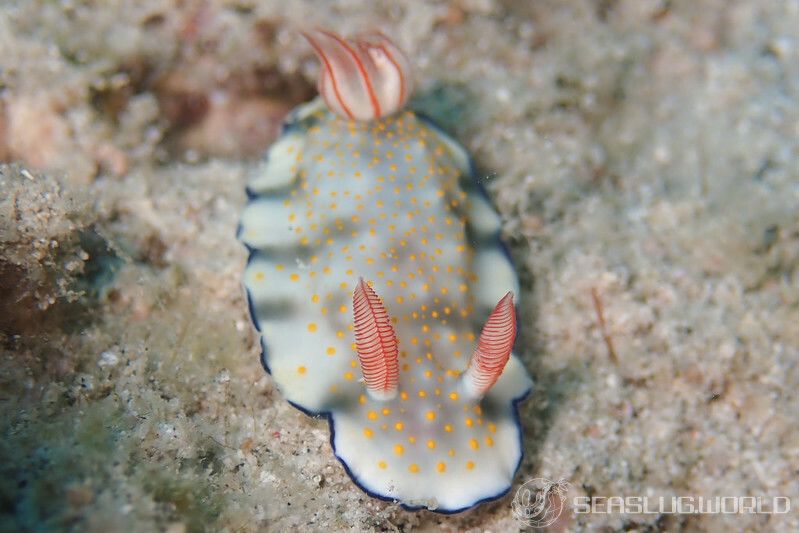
x,y
381,290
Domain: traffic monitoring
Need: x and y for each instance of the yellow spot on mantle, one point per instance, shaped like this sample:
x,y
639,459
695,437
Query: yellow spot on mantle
x,y
431,415
301,369
382,465
368,433
441,467
469,465
312,327
399,449
371,415
295,277
414,468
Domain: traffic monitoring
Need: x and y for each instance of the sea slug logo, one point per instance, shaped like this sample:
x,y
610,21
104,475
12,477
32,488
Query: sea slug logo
x,y
539,502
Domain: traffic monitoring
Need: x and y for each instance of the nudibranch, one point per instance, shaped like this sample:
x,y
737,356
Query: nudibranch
x,y
381,289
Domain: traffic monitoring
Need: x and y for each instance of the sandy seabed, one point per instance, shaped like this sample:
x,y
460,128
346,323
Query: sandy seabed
x,y
643,154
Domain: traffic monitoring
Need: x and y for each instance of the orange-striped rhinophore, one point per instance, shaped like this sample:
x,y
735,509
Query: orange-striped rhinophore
x,y
374,275
493,349
375,343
